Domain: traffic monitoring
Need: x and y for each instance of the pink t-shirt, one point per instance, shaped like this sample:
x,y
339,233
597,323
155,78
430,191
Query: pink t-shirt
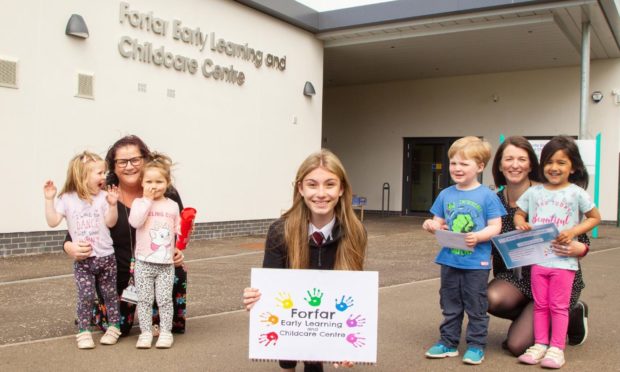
x,y
86,221
156,223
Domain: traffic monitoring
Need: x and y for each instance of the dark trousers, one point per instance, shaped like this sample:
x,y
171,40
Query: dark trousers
x,y
464,291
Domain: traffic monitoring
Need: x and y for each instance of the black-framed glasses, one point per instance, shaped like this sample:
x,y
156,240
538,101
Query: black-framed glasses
x,y
123,162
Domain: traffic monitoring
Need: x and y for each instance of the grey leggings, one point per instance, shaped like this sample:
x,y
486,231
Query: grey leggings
x,y
154,281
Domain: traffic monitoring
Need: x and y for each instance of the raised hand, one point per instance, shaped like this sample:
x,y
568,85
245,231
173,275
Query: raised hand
x,y
344,303
49,190
112,196
314,297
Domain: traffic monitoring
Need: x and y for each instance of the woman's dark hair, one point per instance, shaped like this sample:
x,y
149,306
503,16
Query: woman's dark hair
x,y
130,140
579,173
519,142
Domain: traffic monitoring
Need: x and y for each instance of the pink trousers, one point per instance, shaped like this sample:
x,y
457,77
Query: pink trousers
x,y
551,289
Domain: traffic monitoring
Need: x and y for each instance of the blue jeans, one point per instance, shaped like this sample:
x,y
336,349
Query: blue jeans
x,y
464,291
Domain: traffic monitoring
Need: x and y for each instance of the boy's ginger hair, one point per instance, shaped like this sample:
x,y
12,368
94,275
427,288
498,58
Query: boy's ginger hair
x,y
471,147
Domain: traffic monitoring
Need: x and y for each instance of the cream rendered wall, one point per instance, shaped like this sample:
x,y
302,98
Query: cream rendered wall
x,y
365,124
236,148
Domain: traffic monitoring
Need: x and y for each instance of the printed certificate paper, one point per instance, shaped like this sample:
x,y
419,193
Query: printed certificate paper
x,y
449,239
523,248
314,315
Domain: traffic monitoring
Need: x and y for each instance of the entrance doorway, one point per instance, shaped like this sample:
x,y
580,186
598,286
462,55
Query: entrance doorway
x,y
425,172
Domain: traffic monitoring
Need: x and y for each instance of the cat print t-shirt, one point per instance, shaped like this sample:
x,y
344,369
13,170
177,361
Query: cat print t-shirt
x,y
156,223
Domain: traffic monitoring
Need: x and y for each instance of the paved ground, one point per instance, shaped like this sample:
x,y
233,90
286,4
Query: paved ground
x,y
37,310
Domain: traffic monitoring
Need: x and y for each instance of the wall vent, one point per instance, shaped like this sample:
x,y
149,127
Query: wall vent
x,y
8,73
85,86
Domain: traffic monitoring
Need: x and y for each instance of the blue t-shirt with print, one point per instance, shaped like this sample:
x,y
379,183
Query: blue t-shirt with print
x,y
467,211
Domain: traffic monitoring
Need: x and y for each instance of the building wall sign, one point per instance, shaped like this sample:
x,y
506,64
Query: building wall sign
x,y
146,52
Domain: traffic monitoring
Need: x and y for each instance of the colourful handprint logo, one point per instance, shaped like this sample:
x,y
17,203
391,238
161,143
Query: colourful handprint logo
x,y
314,298
267,338
285,300
344,303
355,340
358,321
269,318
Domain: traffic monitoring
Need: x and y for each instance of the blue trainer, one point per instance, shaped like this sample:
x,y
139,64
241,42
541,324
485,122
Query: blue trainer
x,y
473,355
440,350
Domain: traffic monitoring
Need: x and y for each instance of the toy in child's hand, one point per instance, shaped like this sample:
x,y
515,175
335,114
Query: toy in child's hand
x,y
187,224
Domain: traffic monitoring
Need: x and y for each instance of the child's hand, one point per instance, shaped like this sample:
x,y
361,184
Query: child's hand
x,y
471,239
565,237
432,225
524,226
250,296
49,190
112,196
149,193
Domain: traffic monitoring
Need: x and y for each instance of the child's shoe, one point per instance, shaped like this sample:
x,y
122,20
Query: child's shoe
x,y
534,354
440,350
111,336
554,358
144,340
473,355
85,340
155,330
164,341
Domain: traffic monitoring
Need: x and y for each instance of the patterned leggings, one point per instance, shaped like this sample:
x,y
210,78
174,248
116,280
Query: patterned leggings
x,y
161,277
103,270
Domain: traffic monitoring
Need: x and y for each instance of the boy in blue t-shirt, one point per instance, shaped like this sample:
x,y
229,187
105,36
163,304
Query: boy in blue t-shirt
x,y
471,208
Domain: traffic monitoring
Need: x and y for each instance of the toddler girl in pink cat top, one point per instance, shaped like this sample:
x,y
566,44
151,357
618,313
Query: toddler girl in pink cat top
x,y
156,219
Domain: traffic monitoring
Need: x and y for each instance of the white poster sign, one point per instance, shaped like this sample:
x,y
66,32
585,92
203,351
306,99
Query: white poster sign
x,y
314,315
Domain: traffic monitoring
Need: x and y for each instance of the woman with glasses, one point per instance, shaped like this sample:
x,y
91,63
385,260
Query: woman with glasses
x,y
125,159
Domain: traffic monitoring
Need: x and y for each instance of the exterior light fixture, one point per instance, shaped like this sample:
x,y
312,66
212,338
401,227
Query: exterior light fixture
x,y
309,89
77,27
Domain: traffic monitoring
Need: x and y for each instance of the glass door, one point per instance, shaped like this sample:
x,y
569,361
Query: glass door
x,y
425,172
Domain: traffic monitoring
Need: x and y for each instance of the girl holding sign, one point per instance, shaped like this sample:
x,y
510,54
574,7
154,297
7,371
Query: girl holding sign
x,y
320,230
561,200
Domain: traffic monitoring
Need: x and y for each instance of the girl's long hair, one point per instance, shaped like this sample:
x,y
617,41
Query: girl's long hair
x,y
77,174
579,175
351,250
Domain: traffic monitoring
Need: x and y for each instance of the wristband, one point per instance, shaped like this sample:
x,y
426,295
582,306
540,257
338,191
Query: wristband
x,y
585,252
